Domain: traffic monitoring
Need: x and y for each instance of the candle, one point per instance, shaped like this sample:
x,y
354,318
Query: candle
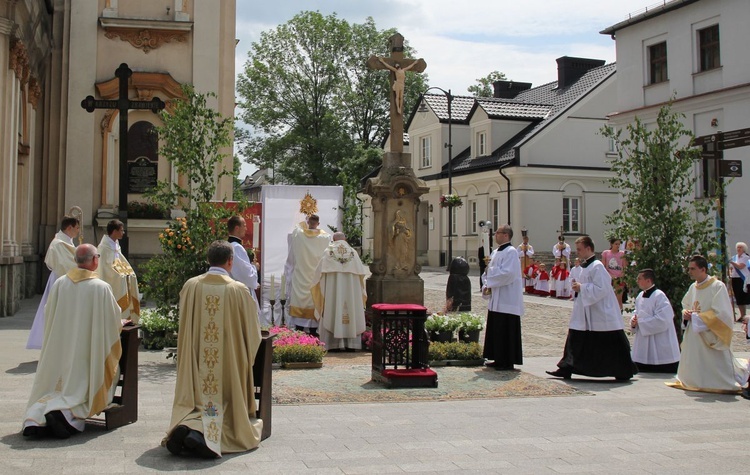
x,y
273,290
256,232
486,239
283,287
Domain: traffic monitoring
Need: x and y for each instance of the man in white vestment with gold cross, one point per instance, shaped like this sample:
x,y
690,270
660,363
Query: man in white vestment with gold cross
x,y
340,296
214,410
79,365
707,363
306,248
115,270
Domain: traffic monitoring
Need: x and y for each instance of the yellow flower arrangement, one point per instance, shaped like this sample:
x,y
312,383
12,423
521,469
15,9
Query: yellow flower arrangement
x,y
175,238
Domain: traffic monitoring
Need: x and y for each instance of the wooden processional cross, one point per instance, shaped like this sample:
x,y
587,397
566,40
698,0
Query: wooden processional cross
x,y
123,104
398,66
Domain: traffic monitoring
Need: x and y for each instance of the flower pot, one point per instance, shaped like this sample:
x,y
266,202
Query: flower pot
x,y
442,336
469,336
302,365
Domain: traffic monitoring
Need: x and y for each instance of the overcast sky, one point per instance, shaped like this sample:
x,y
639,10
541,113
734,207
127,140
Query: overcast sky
x,y
466,39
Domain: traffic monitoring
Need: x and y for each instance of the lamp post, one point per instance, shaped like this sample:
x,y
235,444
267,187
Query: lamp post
x,y
449,146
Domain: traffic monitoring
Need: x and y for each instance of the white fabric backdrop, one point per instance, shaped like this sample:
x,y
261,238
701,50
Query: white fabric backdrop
x,y
280,214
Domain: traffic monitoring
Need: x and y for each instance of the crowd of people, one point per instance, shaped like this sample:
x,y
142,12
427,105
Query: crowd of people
x,y
596,344
93,292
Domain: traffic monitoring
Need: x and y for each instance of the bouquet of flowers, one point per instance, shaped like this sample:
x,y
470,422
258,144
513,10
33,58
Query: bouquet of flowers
x,y
176,237
450,201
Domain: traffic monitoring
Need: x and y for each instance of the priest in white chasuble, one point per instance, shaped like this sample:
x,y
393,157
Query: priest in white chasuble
x,y
655,345
340,296
79,363
596,344
306,247
214,410
243,269
115,270
60,259
707,363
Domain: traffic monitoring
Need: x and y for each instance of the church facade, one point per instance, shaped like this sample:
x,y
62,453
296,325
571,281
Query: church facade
x,y
54,155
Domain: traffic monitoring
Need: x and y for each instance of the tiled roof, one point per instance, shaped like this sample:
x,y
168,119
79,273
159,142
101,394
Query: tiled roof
x,y
557,101
460,107
512,109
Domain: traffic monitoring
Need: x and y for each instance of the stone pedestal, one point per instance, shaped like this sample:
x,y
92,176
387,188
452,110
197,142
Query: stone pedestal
x,y
395,196
11,284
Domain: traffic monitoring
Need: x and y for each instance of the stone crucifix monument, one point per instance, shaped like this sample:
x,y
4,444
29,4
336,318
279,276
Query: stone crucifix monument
x,y
395,193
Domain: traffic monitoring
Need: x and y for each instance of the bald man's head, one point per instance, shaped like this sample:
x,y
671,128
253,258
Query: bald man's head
x,y
339,236
87,257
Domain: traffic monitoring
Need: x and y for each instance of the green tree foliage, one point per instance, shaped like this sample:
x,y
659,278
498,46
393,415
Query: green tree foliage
x,y
654,174
315,108
193,137
484,86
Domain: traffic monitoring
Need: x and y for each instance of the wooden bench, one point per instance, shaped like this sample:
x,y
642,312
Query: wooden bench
x,y
262,375
126,395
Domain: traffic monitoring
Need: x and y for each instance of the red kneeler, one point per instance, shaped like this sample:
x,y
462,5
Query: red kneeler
x,y
399,346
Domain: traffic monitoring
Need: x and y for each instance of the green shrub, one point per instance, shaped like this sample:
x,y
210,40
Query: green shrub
x,y
297,353
455,351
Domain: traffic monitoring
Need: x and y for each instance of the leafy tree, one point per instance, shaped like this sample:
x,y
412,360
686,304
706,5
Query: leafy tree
x,y
315,108
485,87
193,138
654,174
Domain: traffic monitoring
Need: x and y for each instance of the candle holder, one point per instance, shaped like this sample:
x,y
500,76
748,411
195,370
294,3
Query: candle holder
x,y
283,303
273,304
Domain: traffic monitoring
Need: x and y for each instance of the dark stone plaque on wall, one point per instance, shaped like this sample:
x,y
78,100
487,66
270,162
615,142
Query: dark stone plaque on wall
x,y
142,174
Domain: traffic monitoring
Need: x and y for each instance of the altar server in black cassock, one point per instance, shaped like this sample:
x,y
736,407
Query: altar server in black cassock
x,y
503,285
596,344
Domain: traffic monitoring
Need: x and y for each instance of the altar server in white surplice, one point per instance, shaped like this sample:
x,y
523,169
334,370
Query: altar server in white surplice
x,y
306,246
655,346
115,270
707,363
79,365
243,269
59,260
596,344
340,296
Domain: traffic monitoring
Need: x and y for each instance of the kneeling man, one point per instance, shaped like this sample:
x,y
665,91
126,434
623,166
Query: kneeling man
x,y
214,409
707,363
79,364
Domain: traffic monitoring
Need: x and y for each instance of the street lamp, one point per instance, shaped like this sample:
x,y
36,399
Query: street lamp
x,y
449,146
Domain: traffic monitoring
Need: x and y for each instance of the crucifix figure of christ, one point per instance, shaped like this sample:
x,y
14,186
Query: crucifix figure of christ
x,y
397,65
123,104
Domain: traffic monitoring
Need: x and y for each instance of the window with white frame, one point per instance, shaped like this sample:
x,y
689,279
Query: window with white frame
x,y
611,145
454,215
572,214
481,144
495,215
473,217
709,48
425,152
657,56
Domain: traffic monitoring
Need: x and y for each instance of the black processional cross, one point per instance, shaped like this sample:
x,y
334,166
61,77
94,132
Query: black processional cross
x,y
123,104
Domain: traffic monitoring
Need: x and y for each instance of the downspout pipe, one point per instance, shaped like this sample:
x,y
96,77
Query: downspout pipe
x,y
508,182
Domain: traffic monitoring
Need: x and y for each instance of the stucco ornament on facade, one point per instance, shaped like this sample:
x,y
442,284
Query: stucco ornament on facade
x,y
146,40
